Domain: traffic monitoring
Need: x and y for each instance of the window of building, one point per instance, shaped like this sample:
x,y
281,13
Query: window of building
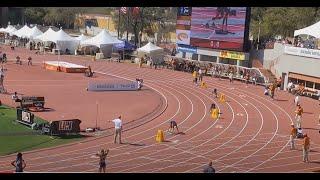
x,y
317,86
309,84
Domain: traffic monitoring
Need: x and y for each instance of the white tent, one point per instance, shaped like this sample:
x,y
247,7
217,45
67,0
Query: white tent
x,y
22,32
57,36
45,36
10,29
82,38
1,29
101,39
313,30
34,32
153,51
63,40
150,48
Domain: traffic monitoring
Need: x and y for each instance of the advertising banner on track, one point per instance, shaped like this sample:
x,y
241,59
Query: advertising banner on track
x,y
100,86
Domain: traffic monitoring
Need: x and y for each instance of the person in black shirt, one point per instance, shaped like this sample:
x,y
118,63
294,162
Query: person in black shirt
x,y
19,163
102,163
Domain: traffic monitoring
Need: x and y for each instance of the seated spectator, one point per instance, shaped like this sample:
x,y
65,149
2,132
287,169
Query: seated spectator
x,y
88,72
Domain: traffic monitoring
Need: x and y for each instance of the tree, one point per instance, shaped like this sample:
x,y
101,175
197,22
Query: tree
x,y
35,15
149,20
281,20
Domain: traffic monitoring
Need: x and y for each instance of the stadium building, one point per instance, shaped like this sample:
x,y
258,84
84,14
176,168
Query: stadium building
x,y
298,62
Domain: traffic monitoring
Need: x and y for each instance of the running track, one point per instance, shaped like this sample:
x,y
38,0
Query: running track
x,y
250,136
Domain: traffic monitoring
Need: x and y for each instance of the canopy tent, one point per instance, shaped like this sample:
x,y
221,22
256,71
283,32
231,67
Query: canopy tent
x,y
34,32
63,40
150,48
22,32
1,29
10,29
59,36
125,45
313,30
104,41
101,39
153,51
45,36
82,38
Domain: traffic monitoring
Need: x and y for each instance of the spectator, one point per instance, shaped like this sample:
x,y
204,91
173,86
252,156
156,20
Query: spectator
x,y
290,86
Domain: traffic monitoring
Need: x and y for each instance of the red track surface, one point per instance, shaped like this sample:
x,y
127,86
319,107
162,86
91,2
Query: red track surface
x,y
251,135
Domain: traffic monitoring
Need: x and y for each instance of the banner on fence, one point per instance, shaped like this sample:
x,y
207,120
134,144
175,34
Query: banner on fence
x,y
313,53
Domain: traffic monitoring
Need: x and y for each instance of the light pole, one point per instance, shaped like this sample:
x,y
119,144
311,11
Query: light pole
x,y
259,34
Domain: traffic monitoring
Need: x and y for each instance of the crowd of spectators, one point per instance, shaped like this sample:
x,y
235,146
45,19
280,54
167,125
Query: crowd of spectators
x,y
215,69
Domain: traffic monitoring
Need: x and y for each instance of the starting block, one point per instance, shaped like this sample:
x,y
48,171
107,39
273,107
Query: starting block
x,y
203,85
222,98
160,136
215,113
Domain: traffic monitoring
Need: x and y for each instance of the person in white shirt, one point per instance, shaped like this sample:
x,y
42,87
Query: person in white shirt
x,y
297,99
200,74
231,77
118,129
290,86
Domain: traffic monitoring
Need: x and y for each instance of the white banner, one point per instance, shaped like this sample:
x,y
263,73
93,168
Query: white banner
x,y
183,36
98,86
314,53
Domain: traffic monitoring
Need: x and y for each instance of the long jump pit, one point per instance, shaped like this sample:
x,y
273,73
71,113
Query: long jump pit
x,y
61,66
